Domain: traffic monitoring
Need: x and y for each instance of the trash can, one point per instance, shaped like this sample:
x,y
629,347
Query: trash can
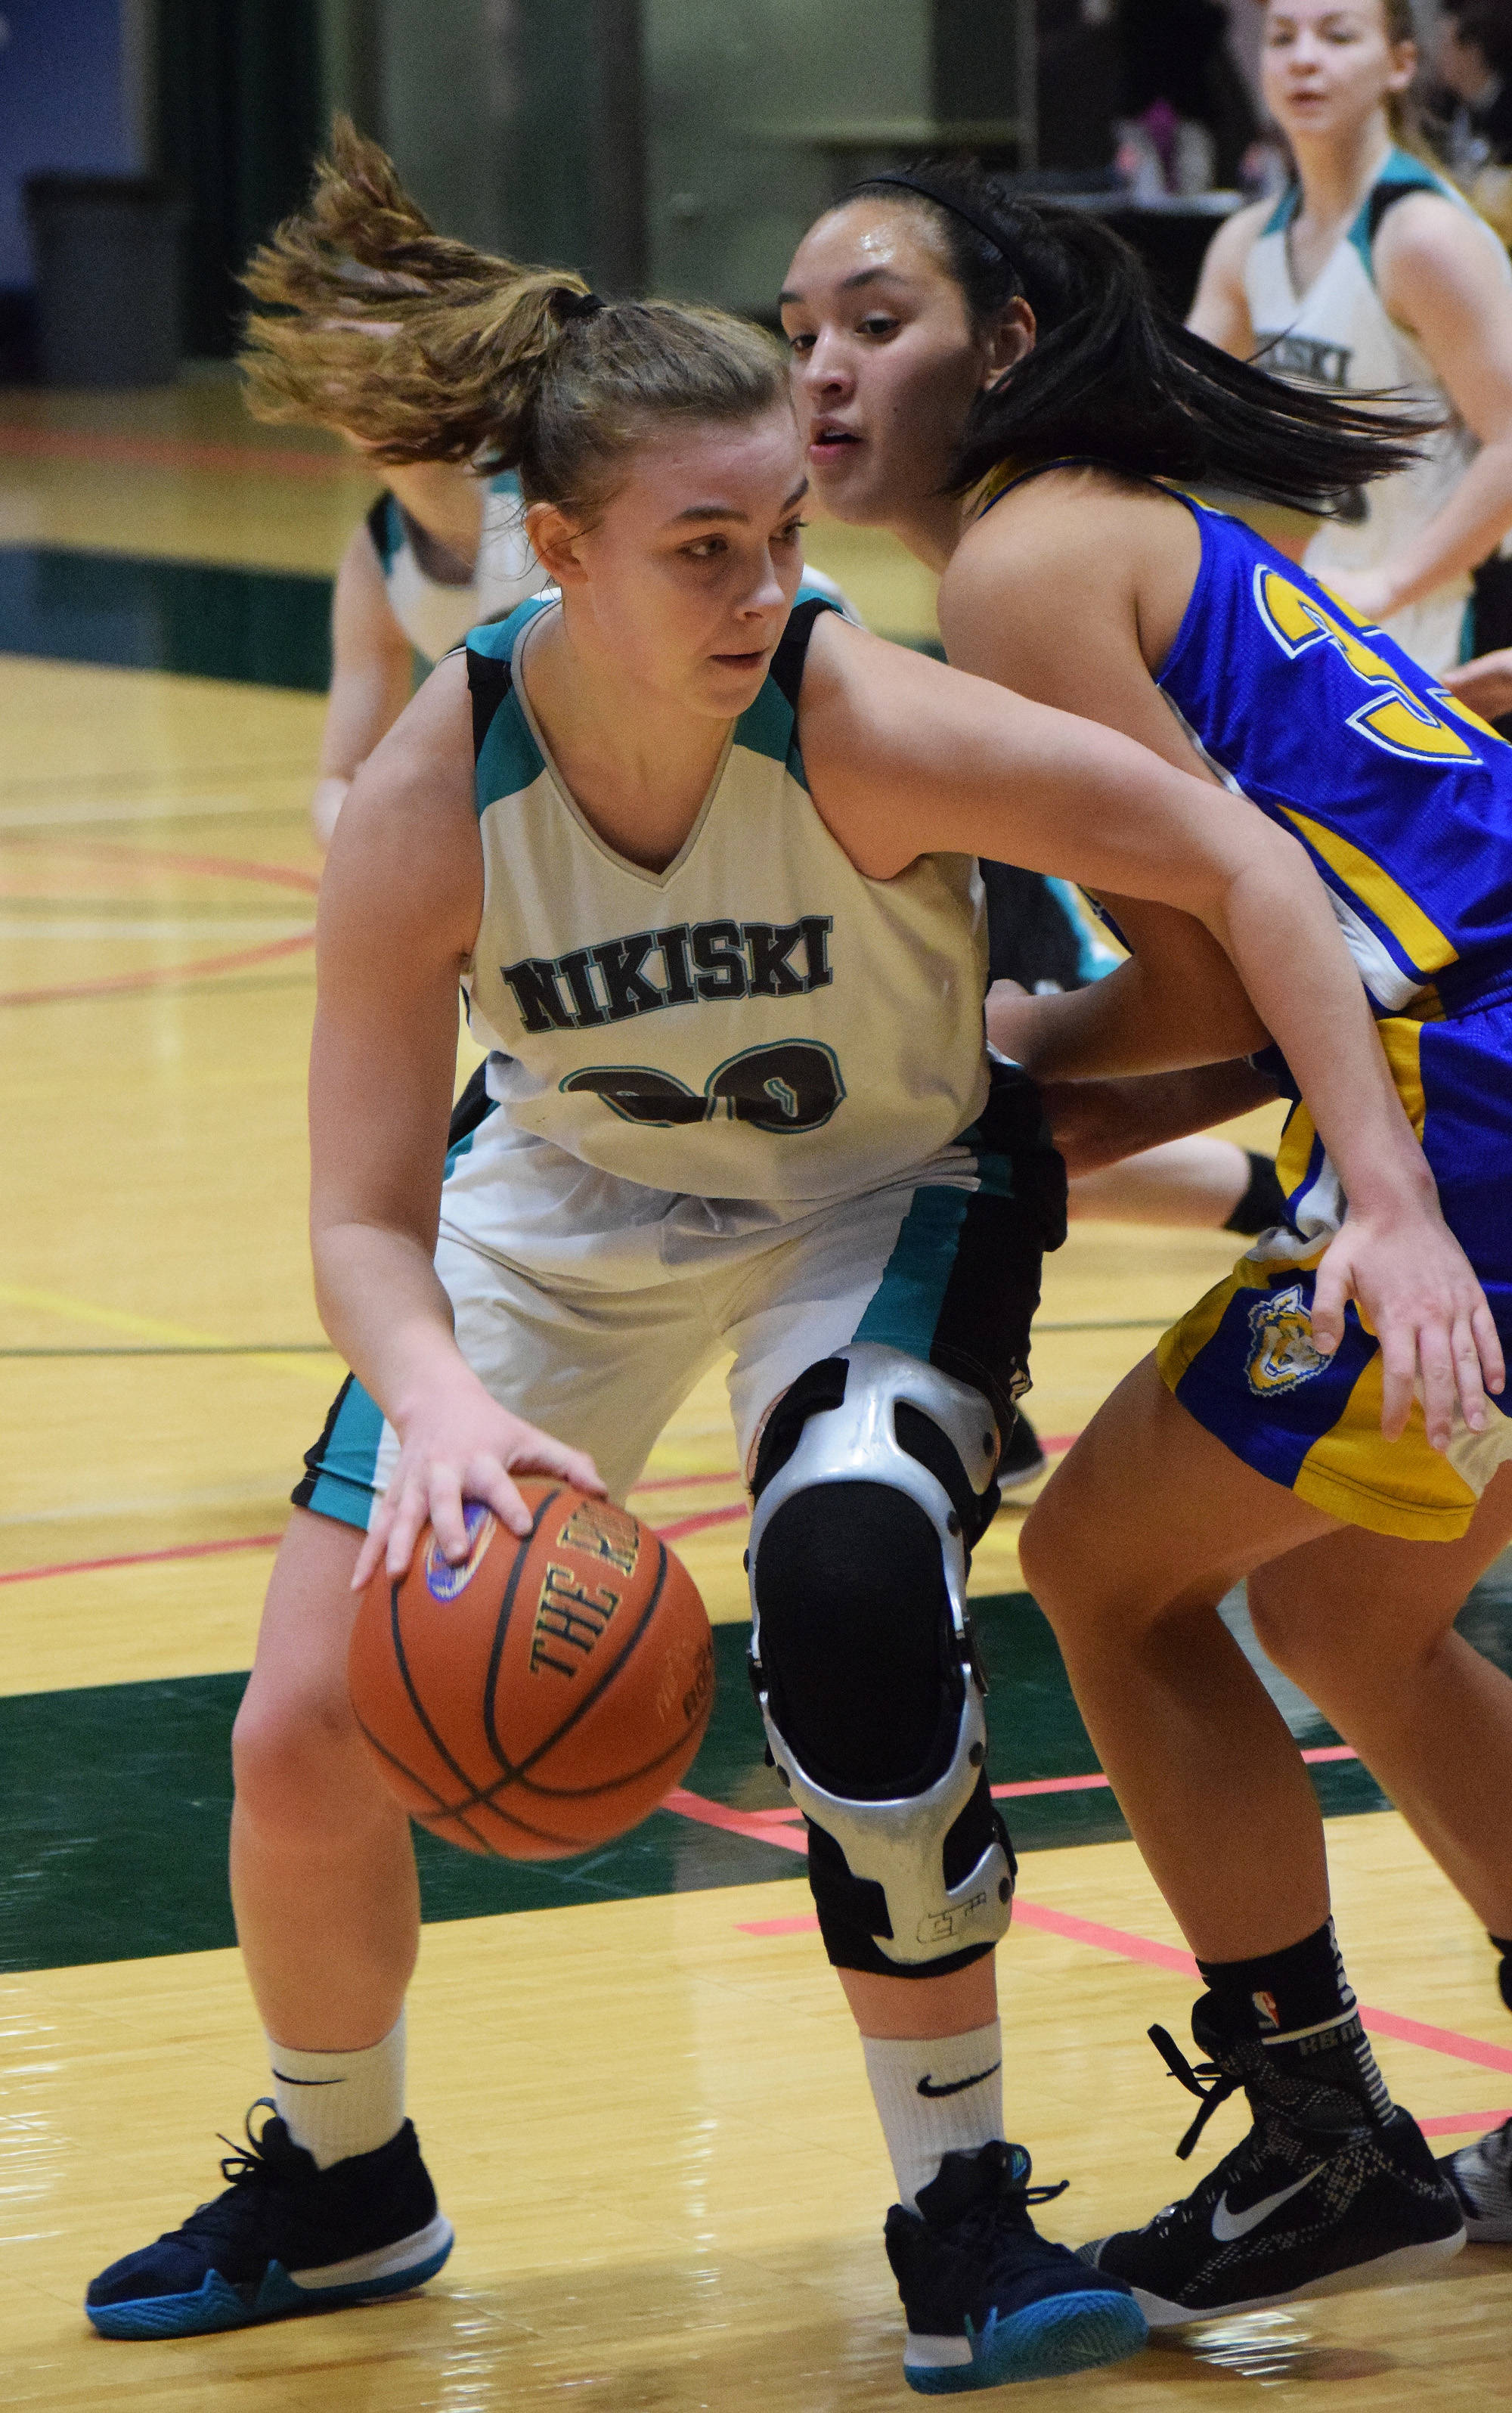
x,y
107,279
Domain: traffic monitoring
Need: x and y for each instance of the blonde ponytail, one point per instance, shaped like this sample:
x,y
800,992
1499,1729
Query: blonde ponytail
x,y
373,323
426,349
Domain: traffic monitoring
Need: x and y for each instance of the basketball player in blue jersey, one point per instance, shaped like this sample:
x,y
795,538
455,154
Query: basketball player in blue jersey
x,y
1373,273
703,859
995,383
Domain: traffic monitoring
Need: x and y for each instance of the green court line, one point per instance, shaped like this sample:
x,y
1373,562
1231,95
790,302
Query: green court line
x,y
208,620
115,1800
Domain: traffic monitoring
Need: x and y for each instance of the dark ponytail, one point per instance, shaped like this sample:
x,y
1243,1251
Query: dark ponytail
x,y
1114,375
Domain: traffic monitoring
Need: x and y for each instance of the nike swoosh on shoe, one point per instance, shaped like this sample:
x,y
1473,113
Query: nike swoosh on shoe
x,y
1227,2225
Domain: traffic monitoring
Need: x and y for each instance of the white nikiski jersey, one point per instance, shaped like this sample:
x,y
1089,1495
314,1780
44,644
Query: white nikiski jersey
x,y
434,613
757,1021
1339,333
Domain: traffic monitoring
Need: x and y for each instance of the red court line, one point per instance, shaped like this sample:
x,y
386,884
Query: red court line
x,y
219,866
1458,2124
1332,1750
683,1482
162,975
682,1525
737,1822
170,453
140,1557
1447,2041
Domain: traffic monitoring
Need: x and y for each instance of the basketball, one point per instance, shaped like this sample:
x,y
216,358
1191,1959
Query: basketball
x,y
545,1695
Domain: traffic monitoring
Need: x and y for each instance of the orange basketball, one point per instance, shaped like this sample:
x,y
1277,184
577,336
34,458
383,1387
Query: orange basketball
x,y
544,1696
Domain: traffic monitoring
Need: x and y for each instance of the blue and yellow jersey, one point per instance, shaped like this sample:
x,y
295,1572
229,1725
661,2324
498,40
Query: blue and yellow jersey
x,y
1402,796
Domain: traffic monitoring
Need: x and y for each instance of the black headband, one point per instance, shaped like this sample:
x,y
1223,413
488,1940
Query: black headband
x,y
576,305
946,200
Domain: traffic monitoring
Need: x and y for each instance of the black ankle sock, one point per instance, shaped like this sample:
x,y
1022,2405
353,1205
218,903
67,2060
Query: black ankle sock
x,y
1264,1202
1300,2005
1504,1945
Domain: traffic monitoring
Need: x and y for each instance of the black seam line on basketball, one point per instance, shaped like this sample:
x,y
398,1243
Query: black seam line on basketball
x,y
589,1792
442,1810
564,1844
501,1628
486,1797
955,2086
401,1661
284,2080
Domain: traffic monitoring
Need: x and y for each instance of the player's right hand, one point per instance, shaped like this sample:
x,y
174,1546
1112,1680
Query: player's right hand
x,y
457,1443
1417,1291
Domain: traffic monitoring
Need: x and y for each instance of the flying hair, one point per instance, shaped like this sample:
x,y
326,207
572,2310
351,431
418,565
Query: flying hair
x,y
426,349
1114,376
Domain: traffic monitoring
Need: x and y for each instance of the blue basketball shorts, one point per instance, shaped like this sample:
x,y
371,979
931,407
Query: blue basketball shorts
x,y
1241,1361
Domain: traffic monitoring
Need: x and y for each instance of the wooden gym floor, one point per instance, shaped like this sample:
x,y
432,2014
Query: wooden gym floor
x,y
634,2075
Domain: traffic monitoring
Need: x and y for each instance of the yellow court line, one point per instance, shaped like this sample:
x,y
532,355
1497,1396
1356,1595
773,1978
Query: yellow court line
x,y
151,1327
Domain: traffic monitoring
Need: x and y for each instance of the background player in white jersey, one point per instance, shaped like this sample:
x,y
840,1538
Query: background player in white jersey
x,y
1372,273
704,863
440,551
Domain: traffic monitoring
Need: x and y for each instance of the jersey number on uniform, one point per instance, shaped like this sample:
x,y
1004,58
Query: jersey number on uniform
x,y
1392,717
794,1086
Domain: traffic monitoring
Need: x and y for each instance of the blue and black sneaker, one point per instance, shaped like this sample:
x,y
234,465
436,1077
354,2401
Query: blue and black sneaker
x,y
285,2237
990,2300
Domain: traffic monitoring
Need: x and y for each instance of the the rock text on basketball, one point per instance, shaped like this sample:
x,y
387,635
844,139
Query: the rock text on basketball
x,y
570,1617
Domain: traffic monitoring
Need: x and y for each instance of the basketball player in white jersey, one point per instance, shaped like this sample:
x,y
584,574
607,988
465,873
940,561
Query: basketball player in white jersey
x,y
702,856
1373,273
440,551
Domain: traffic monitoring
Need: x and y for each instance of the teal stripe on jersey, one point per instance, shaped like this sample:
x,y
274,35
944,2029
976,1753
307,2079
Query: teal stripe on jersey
x,y
463,1145
765,726
904,1308
508,759
348,1457
1402,174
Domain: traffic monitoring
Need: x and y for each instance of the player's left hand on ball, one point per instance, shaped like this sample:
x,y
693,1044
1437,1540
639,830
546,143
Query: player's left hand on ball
x,y
1417,1291
459,1444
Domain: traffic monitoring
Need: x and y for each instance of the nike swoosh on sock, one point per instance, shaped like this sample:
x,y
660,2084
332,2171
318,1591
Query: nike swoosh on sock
x,y
958,2086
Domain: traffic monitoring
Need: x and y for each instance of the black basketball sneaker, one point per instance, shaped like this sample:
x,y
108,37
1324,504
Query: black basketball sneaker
x,y
1321,2195
988,2298
1023,1461
285,2237
1481,2177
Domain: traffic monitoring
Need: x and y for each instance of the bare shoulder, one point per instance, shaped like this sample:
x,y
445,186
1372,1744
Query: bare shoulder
x,y
1231,245
1084,548
407,837
1426,240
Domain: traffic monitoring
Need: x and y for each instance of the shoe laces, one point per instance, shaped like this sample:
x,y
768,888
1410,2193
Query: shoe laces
x,y
1225,2082
241,2166
1006,2203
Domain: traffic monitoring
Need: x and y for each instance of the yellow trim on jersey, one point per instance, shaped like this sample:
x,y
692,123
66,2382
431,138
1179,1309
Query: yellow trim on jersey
x,y
1402,1039
1421,938
1400,1487
1295,1149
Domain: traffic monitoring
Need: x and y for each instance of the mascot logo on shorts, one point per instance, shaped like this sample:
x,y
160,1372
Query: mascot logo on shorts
x,y
443,1580
1281,1350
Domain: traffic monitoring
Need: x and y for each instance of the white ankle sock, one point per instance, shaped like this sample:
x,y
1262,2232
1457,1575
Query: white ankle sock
x,y
935,2095
337,2104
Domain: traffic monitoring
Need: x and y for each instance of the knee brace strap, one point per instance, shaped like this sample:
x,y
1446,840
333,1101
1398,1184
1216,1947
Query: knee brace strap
x,y
862,1658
